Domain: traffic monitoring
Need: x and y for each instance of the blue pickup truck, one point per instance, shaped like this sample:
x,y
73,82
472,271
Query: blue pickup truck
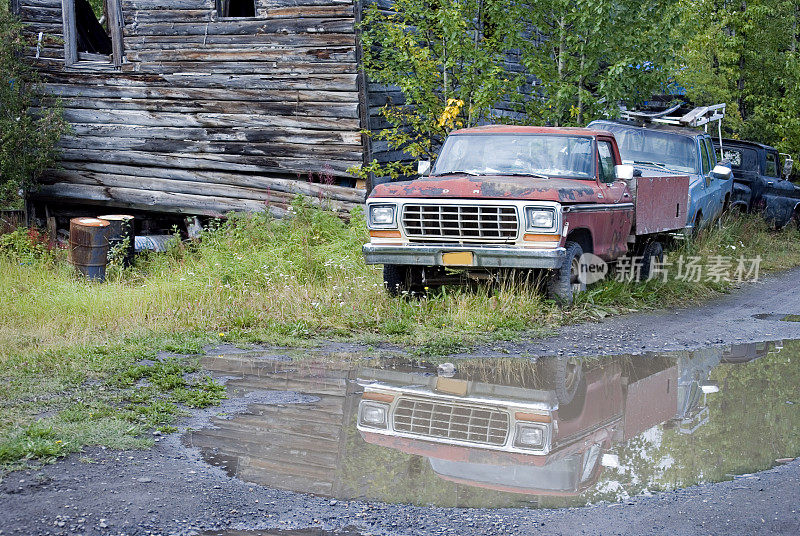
x,y
680,149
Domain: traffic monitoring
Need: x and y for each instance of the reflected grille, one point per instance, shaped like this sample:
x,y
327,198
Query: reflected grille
x,y
463,423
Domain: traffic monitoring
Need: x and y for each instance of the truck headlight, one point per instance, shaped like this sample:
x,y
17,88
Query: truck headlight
x,y
382,216
540,218
373,414
529,436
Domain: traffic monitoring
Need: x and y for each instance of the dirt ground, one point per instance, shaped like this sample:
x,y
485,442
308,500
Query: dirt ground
x,y
171,490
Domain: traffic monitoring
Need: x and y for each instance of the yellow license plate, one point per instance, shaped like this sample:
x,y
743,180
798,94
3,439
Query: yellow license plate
x,y
451,386
458,258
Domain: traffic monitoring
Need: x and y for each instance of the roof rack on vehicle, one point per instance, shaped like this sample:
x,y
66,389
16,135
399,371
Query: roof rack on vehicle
x,y
700,116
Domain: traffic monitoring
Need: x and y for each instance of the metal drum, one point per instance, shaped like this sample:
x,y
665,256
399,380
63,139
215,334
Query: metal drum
x,y
121,228
88,247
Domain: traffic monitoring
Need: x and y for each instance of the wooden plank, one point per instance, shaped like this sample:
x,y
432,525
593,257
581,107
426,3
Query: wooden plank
x,y
332,82
252,68
301,109
232,163
135,199
263,182
70,38
204,94
278,135
272,150
196,16
159,42
244,27
185,187
115,27
210,120
277,54
15,7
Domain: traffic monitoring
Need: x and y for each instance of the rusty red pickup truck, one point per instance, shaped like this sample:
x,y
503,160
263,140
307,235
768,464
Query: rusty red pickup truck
x,y
503,198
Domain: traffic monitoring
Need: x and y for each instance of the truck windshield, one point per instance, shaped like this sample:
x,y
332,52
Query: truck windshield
x,y
662,149
518,154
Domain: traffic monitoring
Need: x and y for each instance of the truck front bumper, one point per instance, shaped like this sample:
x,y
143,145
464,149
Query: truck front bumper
x,y
482,256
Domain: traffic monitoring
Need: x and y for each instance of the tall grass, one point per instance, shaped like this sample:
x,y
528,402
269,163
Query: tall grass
x,y
253,278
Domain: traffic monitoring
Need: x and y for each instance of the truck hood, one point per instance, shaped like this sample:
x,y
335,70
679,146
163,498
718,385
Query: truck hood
x,y
493,187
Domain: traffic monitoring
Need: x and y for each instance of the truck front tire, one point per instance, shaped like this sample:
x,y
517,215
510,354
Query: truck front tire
x,y
400,278
565,282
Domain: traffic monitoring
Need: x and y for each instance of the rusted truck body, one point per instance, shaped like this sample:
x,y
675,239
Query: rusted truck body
x,y
509,197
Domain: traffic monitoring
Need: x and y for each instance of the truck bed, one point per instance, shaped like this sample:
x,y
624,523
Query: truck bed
x,y
661,201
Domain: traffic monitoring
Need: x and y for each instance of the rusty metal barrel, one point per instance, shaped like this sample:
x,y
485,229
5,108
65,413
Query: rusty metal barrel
x,y
88,247
120,230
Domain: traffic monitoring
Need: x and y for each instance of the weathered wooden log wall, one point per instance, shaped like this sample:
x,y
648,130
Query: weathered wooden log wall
x,y
208,115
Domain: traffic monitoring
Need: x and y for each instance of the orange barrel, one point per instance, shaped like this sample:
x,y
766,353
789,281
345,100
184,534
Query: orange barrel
x,y
88,247
120,228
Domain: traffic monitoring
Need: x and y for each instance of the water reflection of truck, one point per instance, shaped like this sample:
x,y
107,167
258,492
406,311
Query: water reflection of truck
x,y
516,436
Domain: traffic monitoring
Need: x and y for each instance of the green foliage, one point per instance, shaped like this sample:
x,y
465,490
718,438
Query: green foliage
x,y
99,396
448,58
27,246
592,55
744,54
30,123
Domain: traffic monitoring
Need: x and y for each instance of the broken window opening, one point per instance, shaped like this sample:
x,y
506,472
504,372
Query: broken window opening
x,y
92,31
91,37
236,8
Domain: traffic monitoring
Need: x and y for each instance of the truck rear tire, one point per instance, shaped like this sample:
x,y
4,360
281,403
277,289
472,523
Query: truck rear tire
x,y
564,282
653,251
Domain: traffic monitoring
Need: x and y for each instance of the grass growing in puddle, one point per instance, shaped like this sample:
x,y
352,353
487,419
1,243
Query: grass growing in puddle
x,y
67,344
54,403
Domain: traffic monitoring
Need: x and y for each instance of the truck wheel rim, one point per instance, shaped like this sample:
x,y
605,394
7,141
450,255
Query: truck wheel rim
x,y
573,374
574,273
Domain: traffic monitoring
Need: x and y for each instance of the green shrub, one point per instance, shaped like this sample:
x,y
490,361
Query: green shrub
x,y
30,123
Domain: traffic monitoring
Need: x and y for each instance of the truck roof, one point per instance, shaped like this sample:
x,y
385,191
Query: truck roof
x,y
519,129
745,143
683,131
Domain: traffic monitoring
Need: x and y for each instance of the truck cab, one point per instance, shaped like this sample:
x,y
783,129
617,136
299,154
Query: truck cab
x,y
761,184
510,197
682,150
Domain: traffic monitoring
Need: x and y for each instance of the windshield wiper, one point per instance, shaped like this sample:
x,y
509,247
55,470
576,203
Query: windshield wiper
x,y
655,164
461,172
523,174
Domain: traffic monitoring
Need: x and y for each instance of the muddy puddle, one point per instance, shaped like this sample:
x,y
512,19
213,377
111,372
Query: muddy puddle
x,y
507,432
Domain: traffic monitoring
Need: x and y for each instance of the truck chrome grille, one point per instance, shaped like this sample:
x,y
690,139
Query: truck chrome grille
x,y
477,223
451,421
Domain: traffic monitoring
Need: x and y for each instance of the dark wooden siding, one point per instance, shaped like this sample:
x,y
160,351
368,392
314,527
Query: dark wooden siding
x,y
208,115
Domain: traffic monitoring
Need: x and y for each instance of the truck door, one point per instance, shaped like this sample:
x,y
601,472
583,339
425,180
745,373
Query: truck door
x,y
616,192
711,204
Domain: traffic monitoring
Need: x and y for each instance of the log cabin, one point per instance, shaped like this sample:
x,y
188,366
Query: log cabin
x,y
201,107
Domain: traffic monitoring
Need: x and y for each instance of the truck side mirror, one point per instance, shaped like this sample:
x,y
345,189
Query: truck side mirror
x,y
788,164
423,167
721,172
625,172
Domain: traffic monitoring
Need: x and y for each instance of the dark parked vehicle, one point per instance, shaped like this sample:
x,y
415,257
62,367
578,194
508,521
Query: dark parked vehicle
x,y
760,182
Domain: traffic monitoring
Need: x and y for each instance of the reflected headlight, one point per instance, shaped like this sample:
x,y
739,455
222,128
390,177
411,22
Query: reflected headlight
x,y
381,215
373,414
529,436
540,218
